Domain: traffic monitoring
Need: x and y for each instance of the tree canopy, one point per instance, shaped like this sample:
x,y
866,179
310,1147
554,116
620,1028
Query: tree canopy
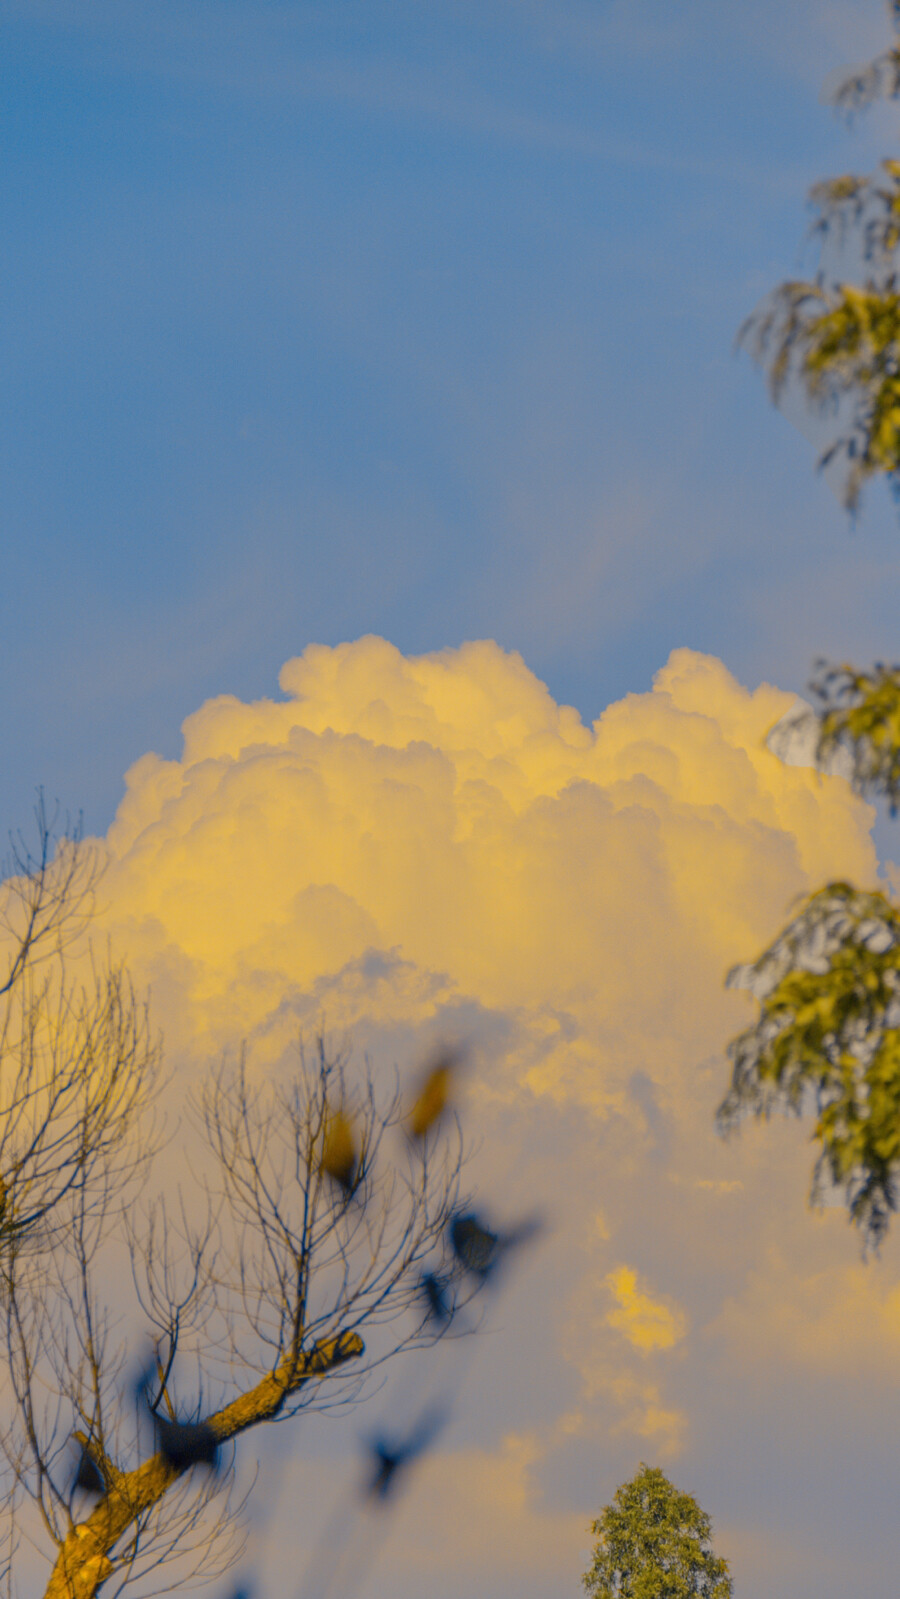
x,y
653,1542
838,333
827,1037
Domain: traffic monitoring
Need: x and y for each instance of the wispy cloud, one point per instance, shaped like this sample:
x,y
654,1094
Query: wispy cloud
x,y
447,66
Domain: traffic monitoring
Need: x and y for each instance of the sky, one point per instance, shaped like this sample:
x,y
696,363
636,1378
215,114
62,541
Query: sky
x,y
402,573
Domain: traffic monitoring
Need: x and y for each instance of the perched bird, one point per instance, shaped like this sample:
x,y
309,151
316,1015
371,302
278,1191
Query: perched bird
x,y
433,1096
340,1155
88,1476
389,1459
434,1291
187,1443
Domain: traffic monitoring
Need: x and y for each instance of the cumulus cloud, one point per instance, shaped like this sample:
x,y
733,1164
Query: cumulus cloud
x,y
398,836
405,849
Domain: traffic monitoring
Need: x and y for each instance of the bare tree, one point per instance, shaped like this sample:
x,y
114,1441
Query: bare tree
x,y
76,1056
318,1217
78,1068
261,1302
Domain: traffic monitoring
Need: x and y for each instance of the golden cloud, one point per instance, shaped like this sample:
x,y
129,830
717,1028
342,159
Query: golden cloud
x,y
647,1323
403,839
407,849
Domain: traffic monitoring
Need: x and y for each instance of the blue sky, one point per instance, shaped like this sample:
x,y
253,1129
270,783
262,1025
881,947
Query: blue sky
x,y
405,319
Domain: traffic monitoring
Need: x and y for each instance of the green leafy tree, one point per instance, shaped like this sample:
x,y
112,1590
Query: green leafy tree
x,y
654,1543
827,1037
838,333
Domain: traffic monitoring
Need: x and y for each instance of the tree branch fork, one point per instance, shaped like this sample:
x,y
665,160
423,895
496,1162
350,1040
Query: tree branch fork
x,y
84,1563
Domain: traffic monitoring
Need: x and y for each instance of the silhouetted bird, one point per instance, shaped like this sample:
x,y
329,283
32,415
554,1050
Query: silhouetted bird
x,y
389,1459
187,1443
340,1157
434,1290
183,1443
88,1477
433,1096
474,1245
478,1249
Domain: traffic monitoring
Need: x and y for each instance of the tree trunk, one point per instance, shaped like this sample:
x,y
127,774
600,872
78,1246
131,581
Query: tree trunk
x,y
84,1563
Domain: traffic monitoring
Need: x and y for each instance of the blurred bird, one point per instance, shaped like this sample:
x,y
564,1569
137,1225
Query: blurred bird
x,y
88,1476
142,1382
182,1443
433,1097
478,1249
474,1245
389,1459
187,1443
340,1156
434,1291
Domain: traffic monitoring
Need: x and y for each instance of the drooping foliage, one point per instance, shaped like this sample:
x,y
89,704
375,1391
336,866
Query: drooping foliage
x,y
827,1039
837,334
859,712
